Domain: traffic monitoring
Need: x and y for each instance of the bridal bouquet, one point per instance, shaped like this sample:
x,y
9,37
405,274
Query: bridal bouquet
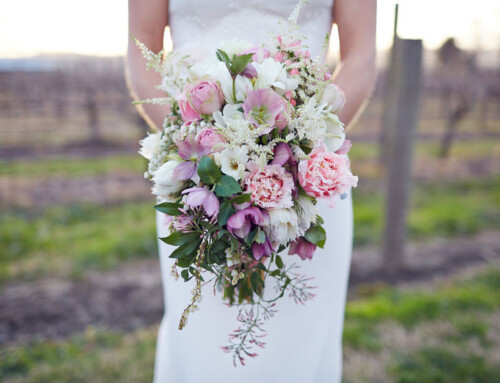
x,y
252,143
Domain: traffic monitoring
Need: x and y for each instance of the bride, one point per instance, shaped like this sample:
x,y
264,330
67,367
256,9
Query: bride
x,y
303,343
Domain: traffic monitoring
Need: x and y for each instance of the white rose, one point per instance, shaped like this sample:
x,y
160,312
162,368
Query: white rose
x,y
306,212
150,145
283,226
333,96
335,132
164,186
233,163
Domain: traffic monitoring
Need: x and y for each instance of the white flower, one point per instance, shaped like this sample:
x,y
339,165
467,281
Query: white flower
x,y
220,73
150,145
272,74
235,46
283,226
233,163
164,186
306,212
232,259
333,96
335,132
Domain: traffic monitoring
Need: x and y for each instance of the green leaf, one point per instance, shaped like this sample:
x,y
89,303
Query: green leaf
x,y
279,262
223,56
257,282
187,250
241,198
260,236
208,171
319,220
169,208
261,267
185,275
179,238
251,237
240,63
316,234
226,210
226,186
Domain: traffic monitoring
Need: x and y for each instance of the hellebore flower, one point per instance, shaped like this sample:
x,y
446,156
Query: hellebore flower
x,y
243,221
263,107
191,151
303,248
199,196
260,250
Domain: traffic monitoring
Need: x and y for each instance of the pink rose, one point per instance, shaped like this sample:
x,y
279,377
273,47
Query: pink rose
x,y
205,97
326,175
210,139
270,187
188,114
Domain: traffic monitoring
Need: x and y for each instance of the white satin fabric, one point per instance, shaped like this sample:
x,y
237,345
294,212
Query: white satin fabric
x,y
303,342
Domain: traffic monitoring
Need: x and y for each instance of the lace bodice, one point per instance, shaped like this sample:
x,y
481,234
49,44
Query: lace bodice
x,y
198,26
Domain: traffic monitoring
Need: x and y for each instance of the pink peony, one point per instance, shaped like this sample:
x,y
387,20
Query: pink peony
x,y
326,175
188,114
210,139
270,187
205,96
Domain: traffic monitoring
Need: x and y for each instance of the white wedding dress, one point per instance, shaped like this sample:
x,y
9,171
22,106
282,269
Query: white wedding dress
x,y
303,342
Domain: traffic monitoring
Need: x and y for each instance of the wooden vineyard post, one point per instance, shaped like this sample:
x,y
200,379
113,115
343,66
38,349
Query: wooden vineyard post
x,y
400,131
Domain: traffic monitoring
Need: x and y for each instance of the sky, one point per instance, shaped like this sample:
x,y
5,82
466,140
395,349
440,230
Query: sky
x,y
99,27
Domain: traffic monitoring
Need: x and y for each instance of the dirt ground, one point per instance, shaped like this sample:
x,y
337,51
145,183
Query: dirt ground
x,y
130,296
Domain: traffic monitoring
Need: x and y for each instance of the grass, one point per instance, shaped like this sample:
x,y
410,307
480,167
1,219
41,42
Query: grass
x,y
68,240
97,356
440,365
108,357
436,210
409,308
73,167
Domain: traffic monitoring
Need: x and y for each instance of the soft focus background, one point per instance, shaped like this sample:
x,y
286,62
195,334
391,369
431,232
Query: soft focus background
x,y
80,289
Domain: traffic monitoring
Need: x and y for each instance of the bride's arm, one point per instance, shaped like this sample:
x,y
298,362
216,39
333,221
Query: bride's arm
x,y
356,74
147,21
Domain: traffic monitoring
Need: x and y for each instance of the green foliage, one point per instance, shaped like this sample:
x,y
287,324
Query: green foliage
x,y
169,208
439,365
227,186
208,171
317,235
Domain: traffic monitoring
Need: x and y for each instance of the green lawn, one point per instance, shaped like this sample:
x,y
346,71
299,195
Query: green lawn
x,y
69,240
73,167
